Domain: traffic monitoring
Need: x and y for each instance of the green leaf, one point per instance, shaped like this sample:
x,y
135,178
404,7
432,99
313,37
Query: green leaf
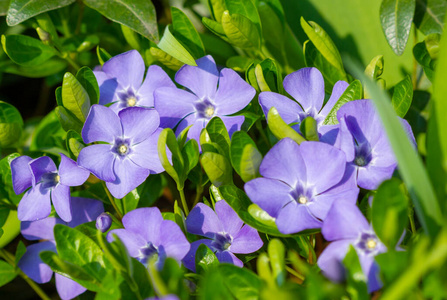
x,y
242,283
186,34
11,229
239,63
215,28
88,81
246,9
74,97
138,15
166,59
245,156
402,95
205,259
277,252
47,68
6,179
429,16
389,212
217,8
190,153
7,273
396,17
280,129
410,165
358,288
174,48
422,56
240,31
26,51
74,143
352,92
103,55
11,124
375,68
21,10
217,136
175,169
309,129
392,264
217,167
68,120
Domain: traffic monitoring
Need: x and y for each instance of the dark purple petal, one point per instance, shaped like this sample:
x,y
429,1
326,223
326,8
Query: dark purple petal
x,y
128,68
156,77
231,223
67,288
173,240
70,173
21,174
101,125
233,123
288,109
296,217
328,133
139,123
246,241
339,220
284,162
270,194
202,220
370,177
33,266
133,241
233,94
145,154
84,210
35,204
201,80
374,282
173,105
107,88
307,87
41,166
128,177
190,259
338,90
330,260
60,197
146,222
228,257
39,230
99,160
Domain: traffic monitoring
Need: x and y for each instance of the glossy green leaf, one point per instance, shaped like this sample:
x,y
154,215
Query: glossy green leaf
x,y
389,212
308,128
166,59
396,17
246,9
68,120
277,252
190,153
243,283
205,259
280,129
11,229
352,92
88,81
217,167
21,10
7,273
138,15
26,51
215,27
245,156
422,56
174,48
356,278
239,63
52,66
240,31
74,143
175,168
217,135
103,55
392,264
429,16
402,95
74,97
11,124
186,34
375,68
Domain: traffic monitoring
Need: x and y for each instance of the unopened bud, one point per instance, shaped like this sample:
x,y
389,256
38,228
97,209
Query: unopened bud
x,y
103,222
44,36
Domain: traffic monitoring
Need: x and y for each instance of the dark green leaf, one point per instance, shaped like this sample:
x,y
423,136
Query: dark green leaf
x,y
280,129
241,31
239,63
429,16
26,51
74,97
217,167
422,56
352,92
186,34
245,156
6,179
21,10
138,15
190,153
175,168
392,264
88,81
103,55
356,278
205,259
402,95
7,273
21,249
396,17
47,68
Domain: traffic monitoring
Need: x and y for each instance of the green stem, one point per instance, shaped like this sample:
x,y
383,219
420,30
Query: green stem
x,y
80,16
112,201
411,217
199,190
262,133
182,198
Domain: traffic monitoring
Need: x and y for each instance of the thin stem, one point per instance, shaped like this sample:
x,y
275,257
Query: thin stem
x,y
295,273
411,217
80,16
182,198
72,62
112,201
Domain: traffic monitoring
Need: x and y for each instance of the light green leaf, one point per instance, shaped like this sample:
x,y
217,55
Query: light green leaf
x,y
11,124
7,273
173,166
88,81
27,51
240,31
218,168
375,68
277,252
352,92
74,97
357,286
402,95
172,46
245,156
280,129
21,10
166,59
205,259
244,8
308,128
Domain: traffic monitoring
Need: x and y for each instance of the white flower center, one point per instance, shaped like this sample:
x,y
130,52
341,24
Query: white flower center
x,y
122,149
209,111
131,101
57,179
302,200
371,243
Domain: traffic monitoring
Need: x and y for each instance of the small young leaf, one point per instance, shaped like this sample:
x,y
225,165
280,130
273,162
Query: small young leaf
x,y
280,129
218,168
166,59
205,259
74,97
7,273
245,156
308,128
352,92
277,252
240,31
103,55
27,51
68,120
174,48
402,95
88,80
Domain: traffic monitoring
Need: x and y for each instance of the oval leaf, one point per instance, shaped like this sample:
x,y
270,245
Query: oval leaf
x,y
21,10
26,51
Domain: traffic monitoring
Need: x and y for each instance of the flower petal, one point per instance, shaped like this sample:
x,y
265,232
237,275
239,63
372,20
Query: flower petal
x,y
107,88
133,241
138,123
35,204
39,230
295,217
288,109
228,257
345,141
67,288
202,220
156,77
128,68
233,123
101,125
70,173
338,90
189,261
145,222
21,174
330,260
173,105
33,266
231,223
84,210
60,197
173,240
145,154
370,177
98,159
201,80
41,166
128,177
247,240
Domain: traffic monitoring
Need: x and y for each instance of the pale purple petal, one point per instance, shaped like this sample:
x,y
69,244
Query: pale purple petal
x,y
231,223
128,68
99,160
101,125
338,90
328,133
145,154
21,174
288,109
173,240
60,197
188,121
306,86
345,141
323,202
107,87
41,166
67,288
233,123
370,177
145,222
331,260
173,105
138,123
233,94
202,220
133,241
383,155
195,130
247,240
190,259
70,173
156,77
201,80
269,194
35,204
39,230
33,266
228,257
296,217
128,177
84,210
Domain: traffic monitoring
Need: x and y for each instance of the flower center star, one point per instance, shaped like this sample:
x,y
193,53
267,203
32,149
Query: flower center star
x,y
122,149
367,243
209,111
302,200
146,252
371,244
222,241
360,161
131,101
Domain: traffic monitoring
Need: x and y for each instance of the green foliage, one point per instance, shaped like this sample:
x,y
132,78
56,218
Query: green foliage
x,y
402,95
11,125
22,10
280,129
26,51
352,92
245,156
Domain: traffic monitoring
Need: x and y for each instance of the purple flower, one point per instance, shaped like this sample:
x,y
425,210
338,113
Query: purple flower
x,y
146,234
103,222
48,184
120,81
365,143
224,234
345,225
130,153
300,183
83,210
210,93
306,86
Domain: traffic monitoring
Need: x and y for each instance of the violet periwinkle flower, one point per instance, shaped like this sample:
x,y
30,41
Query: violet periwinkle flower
x,y
103,222
130,153
83,210
48,184
120,81
210,93
306,86
345,225
146,233
300,183
363,139
225,234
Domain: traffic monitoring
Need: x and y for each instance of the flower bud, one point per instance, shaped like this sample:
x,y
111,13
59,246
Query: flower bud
x,y
103,222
